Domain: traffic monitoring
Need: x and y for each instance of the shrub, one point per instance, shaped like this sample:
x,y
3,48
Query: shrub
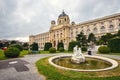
x,y
72,45
84,48
47,46
114,45
34,47
12,52
20,47
61,49
104,49
52,50
60,44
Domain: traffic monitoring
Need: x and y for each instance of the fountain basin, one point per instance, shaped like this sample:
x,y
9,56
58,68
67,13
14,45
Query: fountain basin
x,y
113,63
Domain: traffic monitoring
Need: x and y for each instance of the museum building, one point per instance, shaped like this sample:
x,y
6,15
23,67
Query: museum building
x,y
65,31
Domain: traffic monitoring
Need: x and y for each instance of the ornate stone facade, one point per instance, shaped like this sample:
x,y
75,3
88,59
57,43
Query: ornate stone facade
x,y
66,32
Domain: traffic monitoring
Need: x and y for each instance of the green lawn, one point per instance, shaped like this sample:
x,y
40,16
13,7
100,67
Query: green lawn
x,y
24,52
110,53
47,52
52,73
2,57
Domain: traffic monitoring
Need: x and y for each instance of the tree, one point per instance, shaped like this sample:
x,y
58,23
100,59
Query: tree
x,y
34,47
114,45
13,42
47,46
118,34
6,44
1,45
81,38
59,45
26,46
72,45
91,38
106,37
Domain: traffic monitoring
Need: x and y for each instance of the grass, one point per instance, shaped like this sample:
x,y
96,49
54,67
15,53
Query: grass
x,y
2,56
47,52
24,52
110,53
52,73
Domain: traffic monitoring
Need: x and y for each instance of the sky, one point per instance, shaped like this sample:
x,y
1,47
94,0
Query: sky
x,y
21,18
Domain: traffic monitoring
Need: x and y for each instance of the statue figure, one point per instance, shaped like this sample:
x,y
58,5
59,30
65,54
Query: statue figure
x,y
77,57
75,50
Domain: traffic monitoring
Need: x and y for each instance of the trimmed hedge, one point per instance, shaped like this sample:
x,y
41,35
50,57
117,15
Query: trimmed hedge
x,y
34,47
104,49
60,44
52,50
61,49
47,46
12,52
114,45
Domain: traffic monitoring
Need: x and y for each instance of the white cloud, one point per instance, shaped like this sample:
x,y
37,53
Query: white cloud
x,y
21,18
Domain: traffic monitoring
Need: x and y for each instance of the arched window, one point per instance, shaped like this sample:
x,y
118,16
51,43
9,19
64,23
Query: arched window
x,y
95,30
119,26
65,19
82,31
76,33
111,28
71,34
54,35
102,29
88,32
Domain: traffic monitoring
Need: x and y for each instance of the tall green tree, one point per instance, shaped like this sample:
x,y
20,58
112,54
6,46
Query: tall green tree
x,y
81,39
72,45
26,46
13,42
106,38
47,46
1,45
91,38
59,45
118,34
34,47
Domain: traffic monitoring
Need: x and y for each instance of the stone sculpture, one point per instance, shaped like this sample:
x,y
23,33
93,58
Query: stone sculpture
x,y
77,57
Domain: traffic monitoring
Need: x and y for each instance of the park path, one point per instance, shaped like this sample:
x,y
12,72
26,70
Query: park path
x,y
24,68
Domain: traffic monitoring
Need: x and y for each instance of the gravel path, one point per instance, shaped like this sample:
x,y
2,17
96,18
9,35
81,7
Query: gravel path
x,y
24,68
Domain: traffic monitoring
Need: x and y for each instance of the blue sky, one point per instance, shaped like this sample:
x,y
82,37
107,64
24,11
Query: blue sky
x,y
21,18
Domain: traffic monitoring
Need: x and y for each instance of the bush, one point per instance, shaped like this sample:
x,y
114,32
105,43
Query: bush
x,y
84,48
104,49
60,44
20,47
12,52
52,50
72,45
47,46
61,49
114,45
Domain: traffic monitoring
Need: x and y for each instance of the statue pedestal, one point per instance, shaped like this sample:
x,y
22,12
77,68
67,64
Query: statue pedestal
x,y
78,59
